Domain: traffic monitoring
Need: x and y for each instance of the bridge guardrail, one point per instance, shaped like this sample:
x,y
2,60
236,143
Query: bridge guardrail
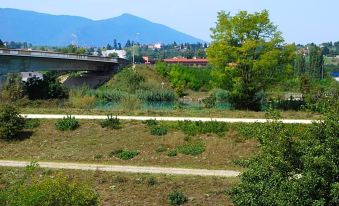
x,y
55,55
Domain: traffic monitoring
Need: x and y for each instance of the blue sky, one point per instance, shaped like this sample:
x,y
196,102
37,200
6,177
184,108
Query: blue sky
x,y
300,21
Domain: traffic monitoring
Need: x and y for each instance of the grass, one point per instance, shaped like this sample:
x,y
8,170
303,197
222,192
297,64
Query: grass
x,y
141,189
85,144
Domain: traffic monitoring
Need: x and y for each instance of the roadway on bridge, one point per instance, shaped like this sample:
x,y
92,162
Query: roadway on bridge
x,y
143,118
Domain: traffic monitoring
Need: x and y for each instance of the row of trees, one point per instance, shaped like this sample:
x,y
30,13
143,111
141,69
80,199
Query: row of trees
x,y
310,61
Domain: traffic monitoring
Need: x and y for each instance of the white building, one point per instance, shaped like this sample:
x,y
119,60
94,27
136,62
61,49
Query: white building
x,y
27,75
121,53
155,46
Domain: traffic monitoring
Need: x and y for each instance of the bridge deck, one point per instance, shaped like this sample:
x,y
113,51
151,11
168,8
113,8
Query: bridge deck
x,y
55,55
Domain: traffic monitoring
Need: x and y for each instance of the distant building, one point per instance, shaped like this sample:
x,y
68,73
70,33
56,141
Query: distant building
x,y
27,75
155,46
188,62
121,53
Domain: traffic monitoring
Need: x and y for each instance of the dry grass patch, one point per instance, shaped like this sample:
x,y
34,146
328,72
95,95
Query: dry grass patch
x,y
91,143
141,189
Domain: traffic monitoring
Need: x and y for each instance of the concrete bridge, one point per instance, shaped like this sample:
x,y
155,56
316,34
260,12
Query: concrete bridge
x,y
13,61
26,61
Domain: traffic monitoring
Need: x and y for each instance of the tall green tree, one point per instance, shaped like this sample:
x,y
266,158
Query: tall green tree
x,y
249,55
315,62
300,64
293,168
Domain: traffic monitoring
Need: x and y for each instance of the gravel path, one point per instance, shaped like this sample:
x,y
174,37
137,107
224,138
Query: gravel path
x,y
142,118
120,168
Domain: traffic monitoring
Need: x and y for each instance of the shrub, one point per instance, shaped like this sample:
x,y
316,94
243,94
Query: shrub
x,y
151,122
124,154
192,148
151,181
67,123
47,88
176,197
221,95
111,122
159,95
106,95
11,123
56,190
12,89
248,131
98,156
194,128
32,123
172,153
158,130
209,102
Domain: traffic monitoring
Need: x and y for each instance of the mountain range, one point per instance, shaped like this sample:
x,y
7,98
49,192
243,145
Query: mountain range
x,y
62,30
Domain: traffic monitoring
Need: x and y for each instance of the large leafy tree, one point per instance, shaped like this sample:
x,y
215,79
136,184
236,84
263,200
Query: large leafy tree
x,y
249,55
300,170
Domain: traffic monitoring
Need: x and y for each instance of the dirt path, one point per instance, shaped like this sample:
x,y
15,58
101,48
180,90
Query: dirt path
x,y
142,118
128,169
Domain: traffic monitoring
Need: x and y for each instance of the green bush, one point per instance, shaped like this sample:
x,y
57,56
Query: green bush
x,y
192,148
159,95
151,122
151,181
44,190
107,95
158,130
209,102
221,95
67,124
32,123
248,131
47,88
172,153
180,75
111,122
11,123
194,128
176,197
124,154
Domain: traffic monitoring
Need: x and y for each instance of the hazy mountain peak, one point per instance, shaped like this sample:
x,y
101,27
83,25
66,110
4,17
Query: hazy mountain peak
x,y
52,30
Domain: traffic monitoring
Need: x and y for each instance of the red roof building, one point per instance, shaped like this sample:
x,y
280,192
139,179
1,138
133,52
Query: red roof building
x,y
185,61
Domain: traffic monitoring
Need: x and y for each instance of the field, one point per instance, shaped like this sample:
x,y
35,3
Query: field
x,y
91,143
141,189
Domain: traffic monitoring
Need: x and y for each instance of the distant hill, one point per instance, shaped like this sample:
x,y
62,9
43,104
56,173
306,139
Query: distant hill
x,y
60,30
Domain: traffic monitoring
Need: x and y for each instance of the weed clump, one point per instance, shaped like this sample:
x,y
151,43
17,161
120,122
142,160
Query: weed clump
x,y
195,128
192,148
177,197
158,130
124,154
68,123
111,122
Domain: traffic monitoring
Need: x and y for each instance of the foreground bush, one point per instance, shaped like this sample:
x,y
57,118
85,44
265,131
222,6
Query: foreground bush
x,y
55,190
293,169
176,197
111,122
11,123
67,123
